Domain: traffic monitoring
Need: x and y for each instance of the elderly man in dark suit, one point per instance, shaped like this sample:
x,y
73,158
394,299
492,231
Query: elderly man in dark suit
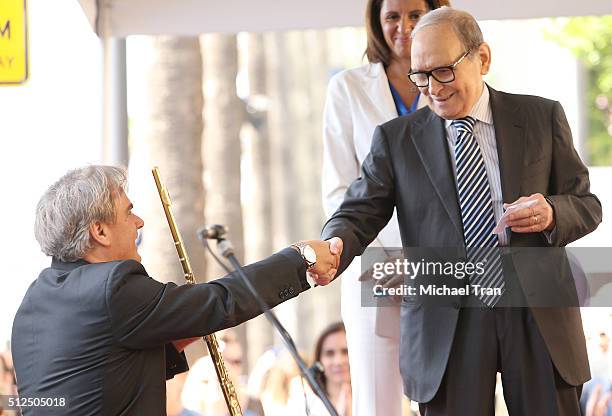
x,y
94,332
448,169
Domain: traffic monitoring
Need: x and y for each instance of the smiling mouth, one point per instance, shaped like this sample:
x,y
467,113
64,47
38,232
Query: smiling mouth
x,y
442,100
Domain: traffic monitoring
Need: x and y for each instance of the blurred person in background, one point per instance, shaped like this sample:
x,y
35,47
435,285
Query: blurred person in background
x,y
271,378
599,357
96,331
332,370
7,382
202,393
596,392
358,100
599,403
174,389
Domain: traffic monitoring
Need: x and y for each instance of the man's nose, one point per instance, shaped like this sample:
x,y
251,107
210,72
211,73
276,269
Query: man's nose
x,y
139,222
434,85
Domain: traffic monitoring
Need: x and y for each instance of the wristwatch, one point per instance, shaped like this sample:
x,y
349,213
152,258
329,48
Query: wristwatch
x,y
307,253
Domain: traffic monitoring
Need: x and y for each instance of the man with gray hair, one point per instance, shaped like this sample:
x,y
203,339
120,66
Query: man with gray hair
x,y
94,334
450,170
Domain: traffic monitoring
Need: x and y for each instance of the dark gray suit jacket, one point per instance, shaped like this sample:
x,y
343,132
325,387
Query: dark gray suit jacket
x,y
409,168
99,334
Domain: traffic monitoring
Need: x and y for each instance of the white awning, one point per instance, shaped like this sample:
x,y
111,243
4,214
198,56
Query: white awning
x,y
120,18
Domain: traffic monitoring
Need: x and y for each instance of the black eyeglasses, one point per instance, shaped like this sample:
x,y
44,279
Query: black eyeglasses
x,y
443,74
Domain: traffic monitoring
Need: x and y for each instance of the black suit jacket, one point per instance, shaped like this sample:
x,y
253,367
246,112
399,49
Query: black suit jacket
x,y
99,334
409,168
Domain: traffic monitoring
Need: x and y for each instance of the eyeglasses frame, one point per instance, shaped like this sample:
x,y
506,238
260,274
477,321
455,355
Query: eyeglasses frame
x,y
430,73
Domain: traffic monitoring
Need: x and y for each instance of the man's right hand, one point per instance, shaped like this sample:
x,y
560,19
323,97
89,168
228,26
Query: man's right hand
x,y
328,259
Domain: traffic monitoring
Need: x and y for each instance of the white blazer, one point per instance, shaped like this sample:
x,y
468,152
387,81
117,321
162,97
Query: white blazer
x,y
358,100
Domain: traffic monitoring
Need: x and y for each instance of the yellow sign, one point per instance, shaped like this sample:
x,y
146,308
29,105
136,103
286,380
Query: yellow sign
x,y
13,42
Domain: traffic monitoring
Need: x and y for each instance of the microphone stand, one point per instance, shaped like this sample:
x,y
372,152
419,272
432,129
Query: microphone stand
x,y
227,251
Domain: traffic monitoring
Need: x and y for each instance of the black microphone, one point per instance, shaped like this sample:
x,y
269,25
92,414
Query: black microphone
x,y
317,368
212,232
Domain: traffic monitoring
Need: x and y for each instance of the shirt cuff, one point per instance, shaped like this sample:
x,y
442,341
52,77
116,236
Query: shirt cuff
x,y
552,234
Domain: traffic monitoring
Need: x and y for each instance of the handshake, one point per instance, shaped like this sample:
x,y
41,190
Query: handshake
x,y
326,260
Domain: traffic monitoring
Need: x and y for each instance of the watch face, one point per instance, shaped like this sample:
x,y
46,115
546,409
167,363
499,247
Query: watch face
x,y
309,254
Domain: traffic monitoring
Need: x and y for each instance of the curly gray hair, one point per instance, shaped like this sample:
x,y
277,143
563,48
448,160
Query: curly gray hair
x,y
66,210
463,24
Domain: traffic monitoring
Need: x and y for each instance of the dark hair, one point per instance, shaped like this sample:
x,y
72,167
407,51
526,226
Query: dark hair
x,y
377,49
329,330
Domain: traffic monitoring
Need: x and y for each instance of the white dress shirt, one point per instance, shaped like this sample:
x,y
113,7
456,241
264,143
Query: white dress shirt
x,y
484,133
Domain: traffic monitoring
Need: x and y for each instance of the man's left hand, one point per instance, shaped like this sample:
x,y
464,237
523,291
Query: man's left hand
x,y
537,218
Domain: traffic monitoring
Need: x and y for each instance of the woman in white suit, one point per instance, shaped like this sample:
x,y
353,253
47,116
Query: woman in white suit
x,y
358,100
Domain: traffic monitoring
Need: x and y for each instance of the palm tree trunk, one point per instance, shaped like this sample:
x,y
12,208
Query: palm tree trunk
x,y
258,212
223,117
282,128
168,134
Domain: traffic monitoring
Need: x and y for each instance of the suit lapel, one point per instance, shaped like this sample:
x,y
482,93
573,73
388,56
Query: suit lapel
x,y
509,124
429,140
379,92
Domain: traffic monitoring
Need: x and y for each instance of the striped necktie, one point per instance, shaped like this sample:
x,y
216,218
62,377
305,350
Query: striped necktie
x,y
477,211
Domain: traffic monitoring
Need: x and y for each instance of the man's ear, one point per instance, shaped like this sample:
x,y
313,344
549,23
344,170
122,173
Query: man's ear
x,y
484,54
99,233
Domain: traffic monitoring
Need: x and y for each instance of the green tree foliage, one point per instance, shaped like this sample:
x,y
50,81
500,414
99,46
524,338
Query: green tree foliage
x,y
590,39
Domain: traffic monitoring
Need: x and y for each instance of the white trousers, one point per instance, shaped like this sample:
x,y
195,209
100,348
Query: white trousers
x,y
372,336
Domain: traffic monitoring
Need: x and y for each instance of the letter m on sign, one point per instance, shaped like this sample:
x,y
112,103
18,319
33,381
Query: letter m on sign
x,y
13,42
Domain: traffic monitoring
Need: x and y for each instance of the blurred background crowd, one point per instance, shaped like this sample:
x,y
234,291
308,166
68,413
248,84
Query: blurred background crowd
x,y
274,386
